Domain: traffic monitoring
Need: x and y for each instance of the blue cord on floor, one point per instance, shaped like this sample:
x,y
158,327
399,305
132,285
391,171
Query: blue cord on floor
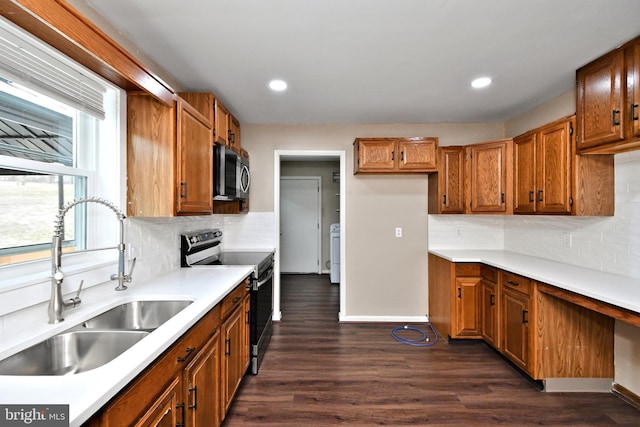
x,y
422,341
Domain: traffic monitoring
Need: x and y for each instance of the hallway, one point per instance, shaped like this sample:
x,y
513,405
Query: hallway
x,y
318,372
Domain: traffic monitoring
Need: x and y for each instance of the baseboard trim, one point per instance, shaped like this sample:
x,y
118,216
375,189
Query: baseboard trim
x,y
627,395
578,385
384,319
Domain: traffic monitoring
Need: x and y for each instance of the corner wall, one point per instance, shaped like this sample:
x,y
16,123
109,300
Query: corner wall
x,y
386,276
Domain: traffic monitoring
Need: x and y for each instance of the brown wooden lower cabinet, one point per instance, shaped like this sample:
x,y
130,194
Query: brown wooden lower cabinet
x,y
193,382
453,298
489,300
543,335
201,386
515,328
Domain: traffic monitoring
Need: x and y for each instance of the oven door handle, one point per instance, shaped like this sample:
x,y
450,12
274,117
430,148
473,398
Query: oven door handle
x,y
265,280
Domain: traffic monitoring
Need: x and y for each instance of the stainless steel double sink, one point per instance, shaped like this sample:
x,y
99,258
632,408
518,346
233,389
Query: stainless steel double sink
x,y
93,342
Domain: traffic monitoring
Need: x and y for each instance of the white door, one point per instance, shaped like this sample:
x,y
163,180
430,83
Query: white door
x,y
300,224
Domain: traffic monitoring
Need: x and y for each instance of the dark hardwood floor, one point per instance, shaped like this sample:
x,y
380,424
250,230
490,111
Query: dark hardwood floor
x,y
318,372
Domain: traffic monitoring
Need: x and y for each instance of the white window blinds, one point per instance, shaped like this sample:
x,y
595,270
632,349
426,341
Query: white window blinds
x,y
31,63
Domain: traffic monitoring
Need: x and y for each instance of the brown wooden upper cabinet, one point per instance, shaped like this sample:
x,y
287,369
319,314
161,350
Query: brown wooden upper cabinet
x,y
221,127
395,155
542,169
234,134
169,158
608,98
489,175
551,178
446,188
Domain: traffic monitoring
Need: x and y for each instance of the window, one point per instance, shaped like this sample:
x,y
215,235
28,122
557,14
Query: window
x,y
59,138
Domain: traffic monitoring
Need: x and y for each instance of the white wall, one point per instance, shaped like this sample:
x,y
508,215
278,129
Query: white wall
x,y
386,276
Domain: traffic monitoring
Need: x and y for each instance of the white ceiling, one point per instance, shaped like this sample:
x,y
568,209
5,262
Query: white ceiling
x,y
375,61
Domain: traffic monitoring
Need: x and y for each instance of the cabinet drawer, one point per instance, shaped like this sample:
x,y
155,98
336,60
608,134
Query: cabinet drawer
x,y
489,273
466,269
234,299
517,283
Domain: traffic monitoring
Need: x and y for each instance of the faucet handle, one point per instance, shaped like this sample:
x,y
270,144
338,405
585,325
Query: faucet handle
x,y
129,276
75,301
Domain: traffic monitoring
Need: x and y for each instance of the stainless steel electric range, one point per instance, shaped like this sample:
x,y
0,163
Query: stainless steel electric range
x,y
203,249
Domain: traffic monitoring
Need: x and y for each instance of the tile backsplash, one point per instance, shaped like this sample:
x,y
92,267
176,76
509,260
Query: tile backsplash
x,y
155,242
609,244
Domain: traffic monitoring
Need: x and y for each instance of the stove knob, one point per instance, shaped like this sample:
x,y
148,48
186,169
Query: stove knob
x,y
194,239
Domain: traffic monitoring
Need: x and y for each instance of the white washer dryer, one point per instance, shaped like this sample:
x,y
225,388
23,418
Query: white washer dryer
x,y
334,245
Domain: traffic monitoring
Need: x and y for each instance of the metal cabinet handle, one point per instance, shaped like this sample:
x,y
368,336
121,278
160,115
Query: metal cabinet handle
x,y
502,198
459,293
392,155
183,190
444,199
188,350
194,389
539,195
634,117
531,196
180,406
492,300
525,316
402,156
512,283
615,118
227,350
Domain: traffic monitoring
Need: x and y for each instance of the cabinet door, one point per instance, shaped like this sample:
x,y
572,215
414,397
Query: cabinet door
x,y
221,119
600,103
234,134
524,173
466,307
489,313
163,412
232,356
417,155
515,327
451,180
375,155
202,386
633,79
553,164
195,162
151,155
488,175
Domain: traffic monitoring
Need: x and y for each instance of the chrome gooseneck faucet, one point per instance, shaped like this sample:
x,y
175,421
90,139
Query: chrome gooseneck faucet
x,y
56,304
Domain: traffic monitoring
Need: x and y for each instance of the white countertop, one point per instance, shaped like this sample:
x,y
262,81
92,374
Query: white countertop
x,y
618,290
88,391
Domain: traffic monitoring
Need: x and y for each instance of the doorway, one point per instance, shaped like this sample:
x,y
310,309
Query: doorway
x,y
300,218
282,157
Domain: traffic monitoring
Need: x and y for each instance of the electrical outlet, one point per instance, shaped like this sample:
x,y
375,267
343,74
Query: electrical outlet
x,y
567,240
398,231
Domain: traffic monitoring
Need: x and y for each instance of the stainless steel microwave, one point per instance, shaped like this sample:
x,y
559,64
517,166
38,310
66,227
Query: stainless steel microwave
x,y
231,176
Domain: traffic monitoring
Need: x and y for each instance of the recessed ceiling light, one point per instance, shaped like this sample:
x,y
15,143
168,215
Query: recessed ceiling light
x,y
278,85
481,82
